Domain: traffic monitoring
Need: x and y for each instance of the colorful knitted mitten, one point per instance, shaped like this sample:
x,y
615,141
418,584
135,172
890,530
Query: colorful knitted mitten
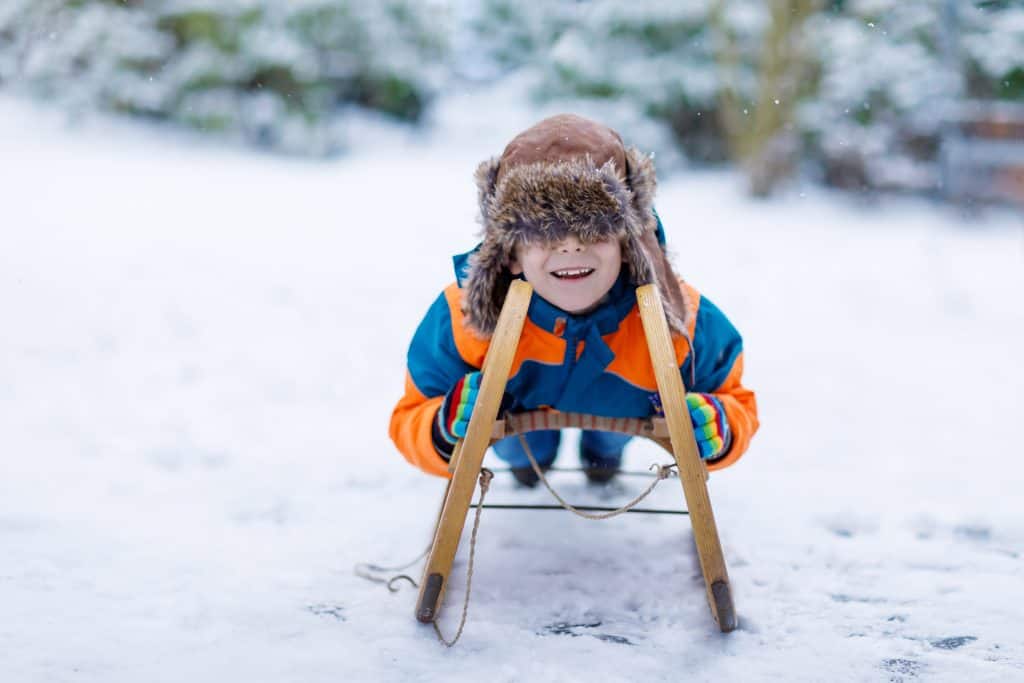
x,y
709,425
457,408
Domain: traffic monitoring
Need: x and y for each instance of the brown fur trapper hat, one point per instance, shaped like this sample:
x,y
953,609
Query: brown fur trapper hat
x,y
566,175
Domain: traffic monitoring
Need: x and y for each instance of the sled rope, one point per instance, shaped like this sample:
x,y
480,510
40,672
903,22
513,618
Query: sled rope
x,y
485,482
662,472
370,572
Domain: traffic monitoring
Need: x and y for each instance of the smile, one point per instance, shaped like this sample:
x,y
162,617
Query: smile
x,y
572,273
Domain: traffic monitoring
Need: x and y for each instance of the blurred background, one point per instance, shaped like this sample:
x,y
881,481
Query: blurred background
x,y
866,95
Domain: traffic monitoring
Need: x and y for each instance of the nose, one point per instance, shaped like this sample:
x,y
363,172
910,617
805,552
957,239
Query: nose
x,y
569,245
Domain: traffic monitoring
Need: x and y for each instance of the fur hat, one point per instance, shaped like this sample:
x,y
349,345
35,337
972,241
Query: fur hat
x,y
566,175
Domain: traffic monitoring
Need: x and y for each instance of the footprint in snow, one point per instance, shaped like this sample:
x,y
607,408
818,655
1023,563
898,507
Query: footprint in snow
x,y
562,628
336,612
902,667
979,533
952,643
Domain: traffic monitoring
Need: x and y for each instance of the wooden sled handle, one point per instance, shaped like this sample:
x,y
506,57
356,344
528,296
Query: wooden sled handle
x,y
692,472
468,456
497,365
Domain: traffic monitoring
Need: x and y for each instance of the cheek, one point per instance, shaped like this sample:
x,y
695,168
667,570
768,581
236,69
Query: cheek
x,y
617,253
530,259
614,255
536,264
610,252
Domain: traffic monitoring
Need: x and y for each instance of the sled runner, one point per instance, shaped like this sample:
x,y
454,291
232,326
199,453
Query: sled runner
x,y
674,432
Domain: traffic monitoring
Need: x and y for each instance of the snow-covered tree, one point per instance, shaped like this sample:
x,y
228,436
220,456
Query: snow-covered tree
x,y
276,73
658,57
892,72
993,48
495,37
855,91
723,76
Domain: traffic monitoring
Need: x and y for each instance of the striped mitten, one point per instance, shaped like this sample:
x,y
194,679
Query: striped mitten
x,y
710,425
457,408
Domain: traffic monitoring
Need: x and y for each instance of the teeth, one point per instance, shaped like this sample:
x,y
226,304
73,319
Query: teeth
x,y
573,272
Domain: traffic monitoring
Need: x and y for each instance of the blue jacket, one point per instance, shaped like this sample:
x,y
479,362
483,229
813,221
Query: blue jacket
x,y
597,363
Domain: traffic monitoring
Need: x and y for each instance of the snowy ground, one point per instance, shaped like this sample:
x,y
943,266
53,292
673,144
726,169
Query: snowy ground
x,y
201,347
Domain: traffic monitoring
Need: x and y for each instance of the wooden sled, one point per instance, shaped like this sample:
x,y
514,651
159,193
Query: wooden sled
x,y
674,432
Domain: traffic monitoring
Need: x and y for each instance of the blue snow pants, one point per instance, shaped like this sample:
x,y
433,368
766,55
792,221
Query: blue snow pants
x,y
544,446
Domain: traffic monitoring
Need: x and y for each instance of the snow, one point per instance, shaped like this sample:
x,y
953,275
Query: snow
x,y
201,348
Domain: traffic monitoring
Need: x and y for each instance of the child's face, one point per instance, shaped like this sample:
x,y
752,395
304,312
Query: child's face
x,y
570,274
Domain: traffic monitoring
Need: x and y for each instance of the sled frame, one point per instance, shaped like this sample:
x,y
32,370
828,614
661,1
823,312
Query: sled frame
x,y
674,432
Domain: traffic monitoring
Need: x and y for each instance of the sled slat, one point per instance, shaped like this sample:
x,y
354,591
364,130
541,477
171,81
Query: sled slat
x,y
522,423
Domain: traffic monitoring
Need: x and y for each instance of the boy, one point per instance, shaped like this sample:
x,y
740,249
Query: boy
x,y
570,209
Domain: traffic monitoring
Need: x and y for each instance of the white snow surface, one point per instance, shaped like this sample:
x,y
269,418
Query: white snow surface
x,y
201,348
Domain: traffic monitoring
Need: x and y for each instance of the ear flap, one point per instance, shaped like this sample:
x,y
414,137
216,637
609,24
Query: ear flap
x,y
486,177
488,279
486,286
639,261
647,259
643,182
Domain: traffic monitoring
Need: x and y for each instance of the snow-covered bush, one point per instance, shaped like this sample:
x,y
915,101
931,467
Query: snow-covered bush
x,y
993,46
722,76
659,57
857,91
892,72
276,73
495,37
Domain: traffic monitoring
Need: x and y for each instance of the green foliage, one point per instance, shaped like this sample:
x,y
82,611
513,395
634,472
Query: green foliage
x,y
656,37
390,94
656,56
862,79
585,85
511,33
715,80
277,74
1012,85
698,129
198,26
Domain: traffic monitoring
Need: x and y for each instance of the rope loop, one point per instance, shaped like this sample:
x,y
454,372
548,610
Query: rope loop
x,y
391,582
371,572
662,473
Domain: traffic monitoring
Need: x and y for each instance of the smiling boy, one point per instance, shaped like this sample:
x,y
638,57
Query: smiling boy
x,y
570,209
